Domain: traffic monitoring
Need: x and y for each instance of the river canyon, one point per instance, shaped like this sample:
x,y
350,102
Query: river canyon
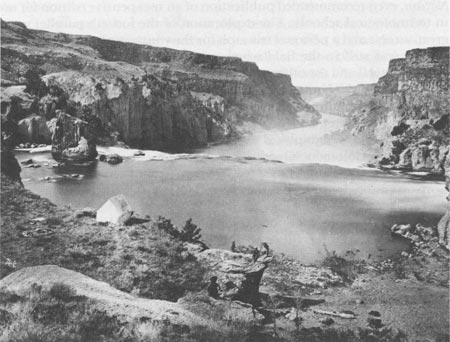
x,y
295,189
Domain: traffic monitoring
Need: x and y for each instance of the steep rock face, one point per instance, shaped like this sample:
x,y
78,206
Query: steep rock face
x,y
145,112
147,94
337,100
409,111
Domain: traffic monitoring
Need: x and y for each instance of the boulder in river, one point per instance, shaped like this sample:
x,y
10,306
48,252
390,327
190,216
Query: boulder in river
x,y
116,210
111,158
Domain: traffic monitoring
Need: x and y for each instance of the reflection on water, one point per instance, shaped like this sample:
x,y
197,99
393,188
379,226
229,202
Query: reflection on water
x,y
296,208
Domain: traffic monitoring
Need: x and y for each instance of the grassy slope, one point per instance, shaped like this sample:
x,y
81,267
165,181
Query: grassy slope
x,y
138,258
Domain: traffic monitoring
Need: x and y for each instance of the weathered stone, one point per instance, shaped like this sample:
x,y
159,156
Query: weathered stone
x,y
116,210
238,275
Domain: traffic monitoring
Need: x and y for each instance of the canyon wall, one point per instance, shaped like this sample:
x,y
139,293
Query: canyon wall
x,y
408,114
150,97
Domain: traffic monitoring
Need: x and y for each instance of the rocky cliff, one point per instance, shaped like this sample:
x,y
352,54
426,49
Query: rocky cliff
x,y
408,114
337,100
152,97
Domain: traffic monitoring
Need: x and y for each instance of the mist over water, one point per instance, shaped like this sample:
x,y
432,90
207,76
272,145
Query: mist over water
x,y
302,145
297,207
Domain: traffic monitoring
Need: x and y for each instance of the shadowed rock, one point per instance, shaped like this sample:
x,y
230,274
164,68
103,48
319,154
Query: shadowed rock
x,y
72,140
238,275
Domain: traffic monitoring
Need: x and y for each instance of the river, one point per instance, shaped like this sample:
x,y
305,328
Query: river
x,y
316,199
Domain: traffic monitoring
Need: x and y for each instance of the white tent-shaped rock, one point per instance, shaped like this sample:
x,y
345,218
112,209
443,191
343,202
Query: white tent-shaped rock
x,y
116,210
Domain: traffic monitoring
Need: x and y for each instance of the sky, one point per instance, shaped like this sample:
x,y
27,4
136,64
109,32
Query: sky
x,y
317,42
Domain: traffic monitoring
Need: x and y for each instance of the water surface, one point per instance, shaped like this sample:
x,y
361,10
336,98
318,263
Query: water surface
x,y
300,209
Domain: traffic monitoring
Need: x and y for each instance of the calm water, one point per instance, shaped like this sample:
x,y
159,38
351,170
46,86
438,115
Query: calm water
x,y
298,208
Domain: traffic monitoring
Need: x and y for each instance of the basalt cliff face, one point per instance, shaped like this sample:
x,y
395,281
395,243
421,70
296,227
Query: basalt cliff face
x,y
337,100
408,113
149,97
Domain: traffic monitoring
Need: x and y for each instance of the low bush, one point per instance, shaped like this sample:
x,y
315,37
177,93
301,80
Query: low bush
x,y
347,269
61,291
190,232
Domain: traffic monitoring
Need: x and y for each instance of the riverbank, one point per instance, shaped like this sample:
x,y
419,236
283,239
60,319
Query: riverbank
x,y
399,290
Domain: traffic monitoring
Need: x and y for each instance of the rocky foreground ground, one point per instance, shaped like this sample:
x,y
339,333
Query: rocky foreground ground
x,y
65,275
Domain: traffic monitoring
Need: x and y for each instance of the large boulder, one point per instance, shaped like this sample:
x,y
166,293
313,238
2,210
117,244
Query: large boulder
x,y
116,210
34,129
72,140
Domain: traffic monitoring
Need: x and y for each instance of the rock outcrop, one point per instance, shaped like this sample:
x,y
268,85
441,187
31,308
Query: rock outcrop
x,y
153,97
408,113
72,140
239,276
443,227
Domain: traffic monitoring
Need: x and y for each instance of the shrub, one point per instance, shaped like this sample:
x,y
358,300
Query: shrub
x,y
347,269
167,226
62,292
190,232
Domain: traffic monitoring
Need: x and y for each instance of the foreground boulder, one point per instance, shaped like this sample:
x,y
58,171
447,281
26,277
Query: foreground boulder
x,y
116,210
75,289
72,140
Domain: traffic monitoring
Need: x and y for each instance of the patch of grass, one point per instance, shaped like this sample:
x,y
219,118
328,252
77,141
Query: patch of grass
x,y
62,292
